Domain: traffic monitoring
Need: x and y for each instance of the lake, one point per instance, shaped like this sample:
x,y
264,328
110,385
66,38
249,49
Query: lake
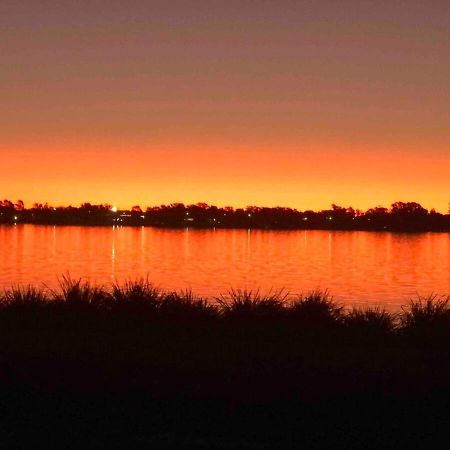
x,y
356,267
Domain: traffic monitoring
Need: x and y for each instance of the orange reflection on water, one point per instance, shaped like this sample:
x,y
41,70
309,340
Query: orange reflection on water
x,y
357,267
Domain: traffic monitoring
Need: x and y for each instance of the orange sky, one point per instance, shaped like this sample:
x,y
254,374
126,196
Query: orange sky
x,y
304,179
289,103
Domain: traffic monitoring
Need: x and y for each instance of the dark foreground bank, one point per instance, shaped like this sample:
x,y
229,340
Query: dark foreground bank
x,y
133,367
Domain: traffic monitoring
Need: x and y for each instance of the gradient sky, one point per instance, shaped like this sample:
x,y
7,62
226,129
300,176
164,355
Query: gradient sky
x,y
293,103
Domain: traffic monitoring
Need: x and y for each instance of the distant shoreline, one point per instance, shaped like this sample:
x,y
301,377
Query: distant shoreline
x,y
400,217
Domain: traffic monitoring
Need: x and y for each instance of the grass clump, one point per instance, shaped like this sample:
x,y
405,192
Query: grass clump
x,y
136,297
370,322
427,316
28,297
78,294
186,305
248,304
316,310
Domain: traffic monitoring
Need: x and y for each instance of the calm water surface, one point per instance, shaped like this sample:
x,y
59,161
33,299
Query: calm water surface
x,y
356,267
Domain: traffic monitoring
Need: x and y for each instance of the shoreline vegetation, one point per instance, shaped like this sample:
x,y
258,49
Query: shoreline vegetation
x,y
133,365
401,216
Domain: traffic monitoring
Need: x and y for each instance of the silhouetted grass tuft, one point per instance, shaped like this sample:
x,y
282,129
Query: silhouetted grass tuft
x,y
79,294
316,309
427,316
186,305
28,297
372,321
245,304
136,297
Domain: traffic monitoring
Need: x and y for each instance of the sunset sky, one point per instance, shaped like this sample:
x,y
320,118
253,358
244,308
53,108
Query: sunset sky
x,y
292,103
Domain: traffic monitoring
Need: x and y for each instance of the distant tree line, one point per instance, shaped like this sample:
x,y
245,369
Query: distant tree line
x,y
401,216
